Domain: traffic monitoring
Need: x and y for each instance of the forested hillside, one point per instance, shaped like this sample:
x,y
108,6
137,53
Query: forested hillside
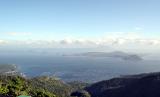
x,y
143,85
13,86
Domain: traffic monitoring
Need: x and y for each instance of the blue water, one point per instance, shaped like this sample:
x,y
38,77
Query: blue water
x,y
89,69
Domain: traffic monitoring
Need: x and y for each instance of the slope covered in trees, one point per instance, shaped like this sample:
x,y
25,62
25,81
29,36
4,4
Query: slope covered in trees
x,y
13,86
143,85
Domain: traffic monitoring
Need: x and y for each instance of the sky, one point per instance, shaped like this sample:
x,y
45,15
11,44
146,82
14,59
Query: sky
x,y
80,23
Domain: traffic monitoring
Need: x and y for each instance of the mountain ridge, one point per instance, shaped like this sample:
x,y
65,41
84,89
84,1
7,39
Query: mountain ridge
x,y
114,54
142,85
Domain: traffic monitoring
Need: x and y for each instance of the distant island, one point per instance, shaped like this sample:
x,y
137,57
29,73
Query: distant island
x,y
115,54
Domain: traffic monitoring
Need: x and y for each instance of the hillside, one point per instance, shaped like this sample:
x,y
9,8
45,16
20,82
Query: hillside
x,y
12,86
143,85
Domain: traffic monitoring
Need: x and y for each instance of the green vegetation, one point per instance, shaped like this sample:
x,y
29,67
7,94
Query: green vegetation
x,y
52,85
13,86
16,85
81,93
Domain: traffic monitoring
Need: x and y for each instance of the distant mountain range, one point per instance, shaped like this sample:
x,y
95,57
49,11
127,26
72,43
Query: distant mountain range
x,y
116,54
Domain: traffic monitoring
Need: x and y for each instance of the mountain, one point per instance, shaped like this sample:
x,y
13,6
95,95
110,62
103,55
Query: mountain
x,y
52,84
116,54
43,86
13,83
143,85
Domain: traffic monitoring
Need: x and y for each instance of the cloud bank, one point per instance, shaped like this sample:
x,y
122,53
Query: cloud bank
x,y
3,42
116,39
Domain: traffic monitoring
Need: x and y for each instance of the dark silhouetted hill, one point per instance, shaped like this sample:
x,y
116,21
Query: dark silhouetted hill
x,y
143,85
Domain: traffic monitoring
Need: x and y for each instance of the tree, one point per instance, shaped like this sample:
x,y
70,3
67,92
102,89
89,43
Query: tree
x,y
81,94
42,93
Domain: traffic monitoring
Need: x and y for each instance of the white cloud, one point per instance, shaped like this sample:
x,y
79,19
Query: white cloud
x,y
19,33
3,42
138,28
66,41
116,39
123,38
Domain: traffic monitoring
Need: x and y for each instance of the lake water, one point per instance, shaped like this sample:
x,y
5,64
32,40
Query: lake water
x,y
88,69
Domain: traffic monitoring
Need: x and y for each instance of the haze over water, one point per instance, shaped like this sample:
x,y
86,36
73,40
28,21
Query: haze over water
x,y
80,68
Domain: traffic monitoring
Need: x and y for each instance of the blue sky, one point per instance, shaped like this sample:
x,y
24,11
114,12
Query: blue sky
x,y
25,20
